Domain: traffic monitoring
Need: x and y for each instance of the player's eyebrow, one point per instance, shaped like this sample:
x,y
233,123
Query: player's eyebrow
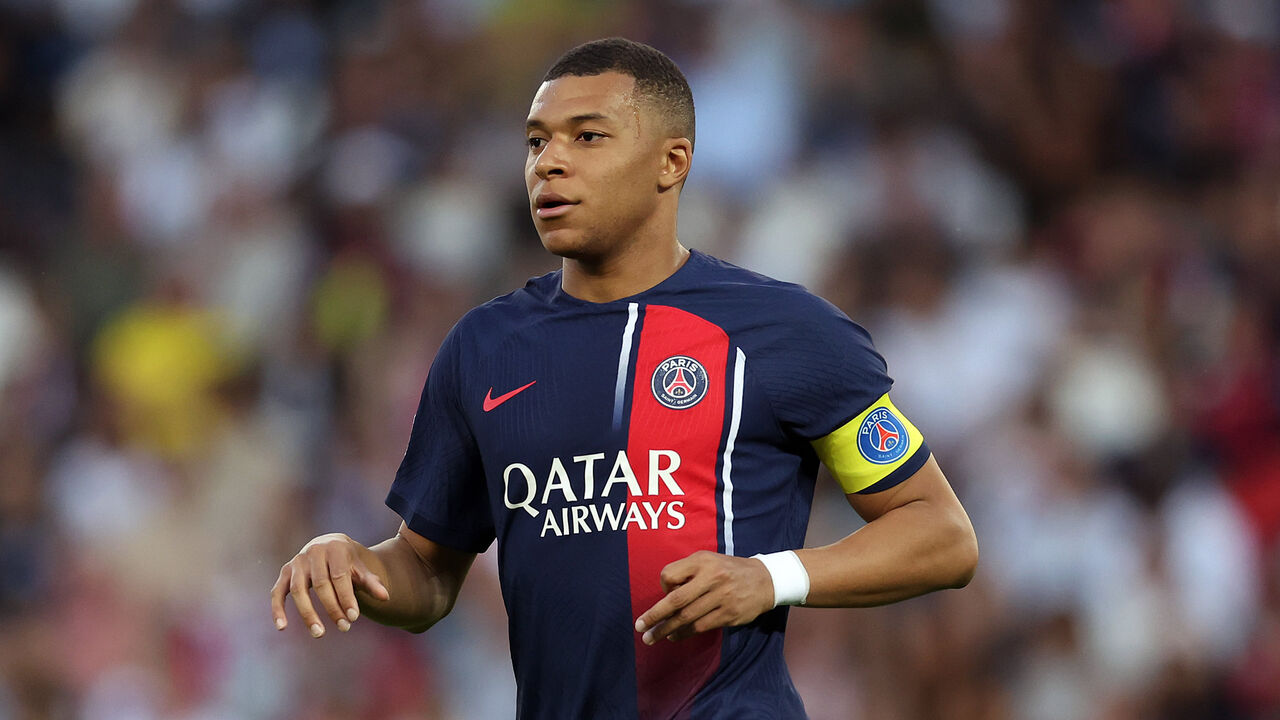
x,y
534,123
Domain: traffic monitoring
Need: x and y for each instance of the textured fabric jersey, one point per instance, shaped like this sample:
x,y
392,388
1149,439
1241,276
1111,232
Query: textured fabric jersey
x,y
599,442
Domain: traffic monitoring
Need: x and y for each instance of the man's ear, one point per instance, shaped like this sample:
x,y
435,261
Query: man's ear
x,y
677,156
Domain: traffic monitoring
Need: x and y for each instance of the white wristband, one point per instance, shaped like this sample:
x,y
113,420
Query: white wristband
x,y
790,579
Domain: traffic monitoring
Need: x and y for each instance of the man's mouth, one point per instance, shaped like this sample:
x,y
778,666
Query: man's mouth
x,y
549,205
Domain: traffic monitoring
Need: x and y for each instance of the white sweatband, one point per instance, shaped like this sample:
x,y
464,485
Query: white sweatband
x,y
790,579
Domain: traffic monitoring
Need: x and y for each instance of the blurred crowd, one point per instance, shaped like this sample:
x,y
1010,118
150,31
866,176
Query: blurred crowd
x,y
234,232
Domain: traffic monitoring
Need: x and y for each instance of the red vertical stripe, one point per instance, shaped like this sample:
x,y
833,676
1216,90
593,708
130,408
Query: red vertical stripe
x,y
669,675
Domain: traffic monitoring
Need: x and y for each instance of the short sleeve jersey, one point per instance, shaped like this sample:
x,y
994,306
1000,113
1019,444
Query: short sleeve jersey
x,y
598,442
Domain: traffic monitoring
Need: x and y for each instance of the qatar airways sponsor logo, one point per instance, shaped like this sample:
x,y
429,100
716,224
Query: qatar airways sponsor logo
x,y
590,493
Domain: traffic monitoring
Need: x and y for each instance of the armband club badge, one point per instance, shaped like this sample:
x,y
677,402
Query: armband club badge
x,y
882,437
679,382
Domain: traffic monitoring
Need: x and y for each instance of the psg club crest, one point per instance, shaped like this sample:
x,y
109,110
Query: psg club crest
x,y
882,439
679,382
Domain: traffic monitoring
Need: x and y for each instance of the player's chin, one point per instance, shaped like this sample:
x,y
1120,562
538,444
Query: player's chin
x,y
564,242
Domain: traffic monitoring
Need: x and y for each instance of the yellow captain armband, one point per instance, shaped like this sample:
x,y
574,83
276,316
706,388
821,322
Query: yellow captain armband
x,y
872,447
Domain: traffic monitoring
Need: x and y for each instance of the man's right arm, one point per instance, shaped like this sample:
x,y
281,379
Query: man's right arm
x,y
406,581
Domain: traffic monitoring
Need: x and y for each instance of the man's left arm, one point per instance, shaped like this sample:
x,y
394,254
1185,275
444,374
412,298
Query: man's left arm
x,y
917,539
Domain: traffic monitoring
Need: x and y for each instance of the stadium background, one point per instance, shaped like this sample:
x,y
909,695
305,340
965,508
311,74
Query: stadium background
x,y
232,234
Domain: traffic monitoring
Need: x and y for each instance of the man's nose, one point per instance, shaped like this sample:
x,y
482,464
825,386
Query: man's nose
x,y
551,161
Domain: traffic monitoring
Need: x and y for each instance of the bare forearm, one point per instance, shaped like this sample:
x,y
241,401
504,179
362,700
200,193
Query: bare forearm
x,y
908,551
419,595
407,581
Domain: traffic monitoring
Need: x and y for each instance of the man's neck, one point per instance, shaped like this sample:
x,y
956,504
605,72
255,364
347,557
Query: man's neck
x,y
630,271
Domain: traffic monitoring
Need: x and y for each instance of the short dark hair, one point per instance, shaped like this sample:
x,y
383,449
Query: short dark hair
x,y
658,79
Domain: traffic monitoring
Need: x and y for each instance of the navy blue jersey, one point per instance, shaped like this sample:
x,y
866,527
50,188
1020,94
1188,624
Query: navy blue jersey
x,y
598,442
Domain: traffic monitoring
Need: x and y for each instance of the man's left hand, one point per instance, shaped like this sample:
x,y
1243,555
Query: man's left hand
x,y
706,591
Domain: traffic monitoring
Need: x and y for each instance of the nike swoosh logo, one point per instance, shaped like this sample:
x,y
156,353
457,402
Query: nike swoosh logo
x,y
491,402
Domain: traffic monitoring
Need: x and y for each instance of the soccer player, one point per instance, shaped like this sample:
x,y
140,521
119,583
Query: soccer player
x,y
640,431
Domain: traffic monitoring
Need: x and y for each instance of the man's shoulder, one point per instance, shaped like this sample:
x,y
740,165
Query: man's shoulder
x,y
511,310
767,299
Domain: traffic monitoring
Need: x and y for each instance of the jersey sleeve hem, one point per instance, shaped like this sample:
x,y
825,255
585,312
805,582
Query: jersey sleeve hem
x,y
904,471
447,536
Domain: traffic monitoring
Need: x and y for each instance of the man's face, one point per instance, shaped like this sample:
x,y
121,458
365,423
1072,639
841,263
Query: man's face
x,y
593,163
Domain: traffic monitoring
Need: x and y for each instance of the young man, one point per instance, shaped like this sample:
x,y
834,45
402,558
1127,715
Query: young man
x,y
640,431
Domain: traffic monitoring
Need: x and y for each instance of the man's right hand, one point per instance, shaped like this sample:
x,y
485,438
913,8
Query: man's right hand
x,y
330,565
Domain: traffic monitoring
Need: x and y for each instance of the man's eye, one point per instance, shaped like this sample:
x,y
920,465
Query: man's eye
x,y
535,142
589,136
